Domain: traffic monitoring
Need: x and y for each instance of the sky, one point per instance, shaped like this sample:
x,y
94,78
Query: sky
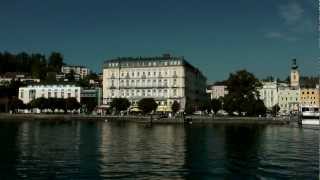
x,y
218,37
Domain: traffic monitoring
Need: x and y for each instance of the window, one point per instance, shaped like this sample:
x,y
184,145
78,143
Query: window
x,y
21,94
69,95
175,92
62,94
49,94
55,94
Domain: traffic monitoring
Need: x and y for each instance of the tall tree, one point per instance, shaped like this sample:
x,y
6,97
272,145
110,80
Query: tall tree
x,y
243,93
147,105
55,61
175,107
120,104
216,105
72,104
15,104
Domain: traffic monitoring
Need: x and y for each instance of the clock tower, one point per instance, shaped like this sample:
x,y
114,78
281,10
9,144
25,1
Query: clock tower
x,y
295,76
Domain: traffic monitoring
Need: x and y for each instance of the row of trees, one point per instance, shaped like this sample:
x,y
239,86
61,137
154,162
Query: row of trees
x,y
42,103
146,105
37,65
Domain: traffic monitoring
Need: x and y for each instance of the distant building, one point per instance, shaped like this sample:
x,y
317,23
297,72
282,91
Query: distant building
x,y
289,100
310,97
31,92
269,94
79,70
217,91
62,77
166,79
8,77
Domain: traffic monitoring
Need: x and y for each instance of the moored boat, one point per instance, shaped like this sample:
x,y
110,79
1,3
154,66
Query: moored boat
x,y
310,116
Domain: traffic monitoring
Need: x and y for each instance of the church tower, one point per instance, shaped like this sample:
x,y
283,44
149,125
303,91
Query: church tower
x,y
295,76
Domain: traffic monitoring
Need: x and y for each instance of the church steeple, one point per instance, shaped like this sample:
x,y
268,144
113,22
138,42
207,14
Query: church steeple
x,y
294,64
295,76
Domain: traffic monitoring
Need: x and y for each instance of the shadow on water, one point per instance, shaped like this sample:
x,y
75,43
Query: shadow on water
x,y
9,151
222,151
242,145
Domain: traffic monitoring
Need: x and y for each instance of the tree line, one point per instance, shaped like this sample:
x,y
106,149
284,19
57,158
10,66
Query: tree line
x,y
53,104
36,65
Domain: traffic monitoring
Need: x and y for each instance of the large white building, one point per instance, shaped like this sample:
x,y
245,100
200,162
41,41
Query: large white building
x,y
217,91
79,70
166,79
269,94
29,93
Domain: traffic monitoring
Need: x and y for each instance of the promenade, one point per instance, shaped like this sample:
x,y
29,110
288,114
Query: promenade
x,y
147,119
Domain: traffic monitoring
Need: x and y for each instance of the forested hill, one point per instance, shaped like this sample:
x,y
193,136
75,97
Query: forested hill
x,y
36,65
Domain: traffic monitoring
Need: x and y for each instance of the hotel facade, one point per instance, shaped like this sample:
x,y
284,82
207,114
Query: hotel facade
x,y
166,79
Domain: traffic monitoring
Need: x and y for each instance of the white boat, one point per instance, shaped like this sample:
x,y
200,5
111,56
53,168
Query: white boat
x,y
310,116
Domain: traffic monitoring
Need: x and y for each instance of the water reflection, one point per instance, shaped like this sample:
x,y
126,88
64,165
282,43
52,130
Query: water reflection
x,y
99,150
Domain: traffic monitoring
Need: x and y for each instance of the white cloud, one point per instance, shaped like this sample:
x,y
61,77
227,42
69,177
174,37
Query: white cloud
x,y
295,23
291,13
273,35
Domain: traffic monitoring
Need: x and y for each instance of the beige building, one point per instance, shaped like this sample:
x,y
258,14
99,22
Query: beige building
x,y
309,97
166,79
217,91
289,99
78,70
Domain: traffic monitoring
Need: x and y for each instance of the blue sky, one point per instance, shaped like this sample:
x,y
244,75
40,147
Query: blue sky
x,y
218,37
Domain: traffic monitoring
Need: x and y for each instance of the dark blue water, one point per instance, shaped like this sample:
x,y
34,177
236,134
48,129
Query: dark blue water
x,y
100,150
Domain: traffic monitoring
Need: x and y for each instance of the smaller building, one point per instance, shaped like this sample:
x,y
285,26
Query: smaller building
x,y
80,70
288,100
309,97
31,92
13,76
64,78
91,98
217,91
269,94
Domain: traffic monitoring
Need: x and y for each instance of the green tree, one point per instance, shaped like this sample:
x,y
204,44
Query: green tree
x,y
53,104
205,106
61,104
71,76
15,104
147,105
72,104
243,93
40,103
120,104
216,105
275,110
55,61
259,108
175,107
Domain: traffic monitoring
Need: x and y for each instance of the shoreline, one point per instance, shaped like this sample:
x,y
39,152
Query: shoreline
x,y
5,117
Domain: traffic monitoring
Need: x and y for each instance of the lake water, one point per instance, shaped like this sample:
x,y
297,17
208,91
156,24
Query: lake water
x,y
102,150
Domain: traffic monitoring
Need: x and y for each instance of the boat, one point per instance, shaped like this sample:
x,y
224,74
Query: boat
x,y
310,116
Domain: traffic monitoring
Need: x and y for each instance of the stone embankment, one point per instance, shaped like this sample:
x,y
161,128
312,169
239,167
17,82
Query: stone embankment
x,y
147,119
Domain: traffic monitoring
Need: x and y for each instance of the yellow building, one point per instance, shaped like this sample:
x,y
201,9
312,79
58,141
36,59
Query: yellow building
x,y
309,97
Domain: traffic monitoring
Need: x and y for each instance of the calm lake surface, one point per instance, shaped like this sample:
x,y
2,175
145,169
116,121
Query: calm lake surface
x,y
102,150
